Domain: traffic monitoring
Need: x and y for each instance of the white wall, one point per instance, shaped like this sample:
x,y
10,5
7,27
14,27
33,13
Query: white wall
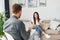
x,y
52,10
1,5
11,2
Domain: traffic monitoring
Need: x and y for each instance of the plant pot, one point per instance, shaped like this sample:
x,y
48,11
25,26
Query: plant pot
x,y
3,38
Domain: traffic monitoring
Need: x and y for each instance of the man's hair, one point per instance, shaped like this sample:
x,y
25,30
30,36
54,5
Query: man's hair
x,y
16,8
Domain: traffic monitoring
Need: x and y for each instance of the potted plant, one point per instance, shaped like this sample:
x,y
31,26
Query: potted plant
x,y
3,18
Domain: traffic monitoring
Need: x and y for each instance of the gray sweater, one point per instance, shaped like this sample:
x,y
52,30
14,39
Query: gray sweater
x,y
16,29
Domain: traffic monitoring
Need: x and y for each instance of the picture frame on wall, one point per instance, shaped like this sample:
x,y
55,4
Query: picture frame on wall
x,y
42,3
32,3
22,3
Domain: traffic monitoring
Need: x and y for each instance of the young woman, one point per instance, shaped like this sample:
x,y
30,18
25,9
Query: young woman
x,y
36,23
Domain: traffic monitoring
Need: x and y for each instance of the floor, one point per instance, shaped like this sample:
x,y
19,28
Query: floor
x,y
53,37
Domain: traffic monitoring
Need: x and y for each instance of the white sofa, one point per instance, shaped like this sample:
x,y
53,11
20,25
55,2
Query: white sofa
x,y
55,34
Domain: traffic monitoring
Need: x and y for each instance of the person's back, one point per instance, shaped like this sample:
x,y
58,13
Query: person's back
x,y
11,27
15,27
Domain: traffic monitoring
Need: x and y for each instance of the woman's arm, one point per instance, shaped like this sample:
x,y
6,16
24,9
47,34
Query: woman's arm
x,y
33,24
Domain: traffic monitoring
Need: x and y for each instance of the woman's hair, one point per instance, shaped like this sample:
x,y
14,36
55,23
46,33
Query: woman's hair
x,y
37,17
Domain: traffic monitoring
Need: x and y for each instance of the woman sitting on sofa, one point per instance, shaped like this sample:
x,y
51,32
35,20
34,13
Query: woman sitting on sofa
x,y
36,23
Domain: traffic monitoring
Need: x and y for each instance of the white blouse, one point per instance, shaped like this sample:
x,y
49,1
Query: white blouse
x,y
37,23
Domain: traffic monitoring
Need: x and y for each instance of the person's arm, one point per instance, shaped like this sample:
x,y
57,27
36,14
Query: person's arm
x,y
25,35
33,23
41,24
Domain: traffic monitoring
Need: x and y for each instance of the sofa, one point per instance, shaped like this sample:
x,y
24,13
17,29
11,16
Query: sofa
x,y
45,25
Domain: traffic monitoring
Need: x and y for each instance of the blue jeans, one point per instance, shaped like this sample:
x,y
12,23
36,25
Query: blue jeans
x,y
39,30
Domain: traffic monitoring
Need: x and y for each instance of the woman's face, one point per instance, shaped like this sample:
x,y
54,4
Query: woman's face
x,y
36,15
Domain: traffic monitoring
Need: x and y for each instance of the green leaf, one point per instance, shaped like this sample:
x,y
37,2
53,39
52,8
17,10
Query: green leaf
x,y
2,19
1,27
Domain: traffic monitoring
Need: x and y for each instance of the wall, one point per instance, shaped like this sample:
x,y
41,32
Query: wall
x,y
1,5
52,10
11,2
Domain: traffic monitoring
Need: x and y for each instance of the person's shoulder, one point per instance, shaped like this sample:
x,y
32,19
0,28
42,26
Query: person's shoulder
x,y
18,21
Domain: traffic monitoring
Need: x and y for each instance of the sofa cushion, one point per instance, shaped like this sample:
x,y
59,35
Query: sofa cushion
x,y
53,32
45,24
53,25
27,24
58,29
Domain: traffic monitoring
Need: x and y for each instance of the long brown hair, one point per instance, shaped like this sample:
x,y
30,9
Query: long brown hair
x,y
37,17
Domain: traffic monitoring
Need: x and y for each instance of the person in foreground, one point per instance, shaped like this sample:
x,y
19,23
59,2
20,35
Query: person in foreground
x,y
36,23
15,27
